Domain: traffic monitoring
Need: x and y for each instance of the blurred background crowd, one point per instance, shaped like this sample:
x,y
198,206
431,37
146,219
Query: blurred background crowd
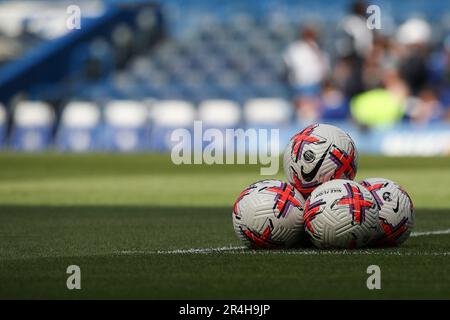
x,y
403,71
158,65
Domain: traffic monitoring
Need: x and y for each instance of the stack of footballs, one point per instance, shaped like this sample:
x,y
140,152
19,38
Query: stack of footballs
x,y
321,202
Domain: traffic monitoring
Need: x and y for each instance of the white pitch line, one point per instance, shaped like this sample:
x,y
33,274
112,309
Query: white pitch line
x,y
430,233
201,250
316,252
244,250
185,251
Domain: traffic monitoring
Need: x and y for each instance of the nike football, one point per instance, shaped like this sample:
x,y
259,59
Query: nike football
x,y
317,154
269,214
341,214
395,208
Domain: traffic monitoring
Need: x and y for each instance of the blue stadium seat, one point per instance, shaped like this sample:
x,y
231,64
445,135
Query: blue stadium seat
x,y
219,114
167,116
32,126
126,126
268,112
79,128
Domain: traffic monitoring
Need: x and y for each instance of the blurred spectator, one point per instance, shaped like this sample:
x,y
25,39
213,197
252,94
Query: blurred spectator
x,y
357,38
353,45
425,108
414,37
414,32
334,105
395,85
413,69
382,58
439,74
376,108
307,67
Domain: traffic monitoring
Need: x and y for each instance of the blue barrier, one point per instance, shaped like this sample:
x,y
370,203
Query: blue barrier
x,y
400,140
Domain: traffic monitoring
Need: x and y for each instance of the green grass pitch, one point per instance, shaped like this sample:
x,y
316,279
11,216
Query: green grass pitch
x,y
111,214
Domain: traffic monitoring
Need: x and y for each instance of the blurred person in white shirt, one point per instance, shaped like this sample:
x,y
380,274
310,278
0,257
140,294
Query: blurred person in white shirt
x,y
307,67
359,39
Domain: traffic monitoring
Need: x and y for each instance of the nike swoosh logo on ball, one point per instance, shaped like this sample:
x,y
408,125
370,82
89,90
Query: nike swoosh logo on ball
x,y
310,175
396,208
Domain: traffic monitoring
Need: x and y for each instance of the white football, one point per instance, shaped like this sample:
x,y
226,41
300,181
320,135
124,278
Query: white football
x,y
269,214
317,154
341,214
395,208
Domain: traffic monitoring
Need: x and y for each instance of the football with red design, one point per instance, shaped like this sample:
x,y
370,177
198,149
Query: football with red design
x,y
317,154
395,208
341,214
269,214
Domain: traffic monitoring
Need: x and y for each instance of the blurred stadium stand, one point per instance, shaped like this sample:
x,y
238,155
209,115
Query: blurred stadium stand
x,y
137,70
